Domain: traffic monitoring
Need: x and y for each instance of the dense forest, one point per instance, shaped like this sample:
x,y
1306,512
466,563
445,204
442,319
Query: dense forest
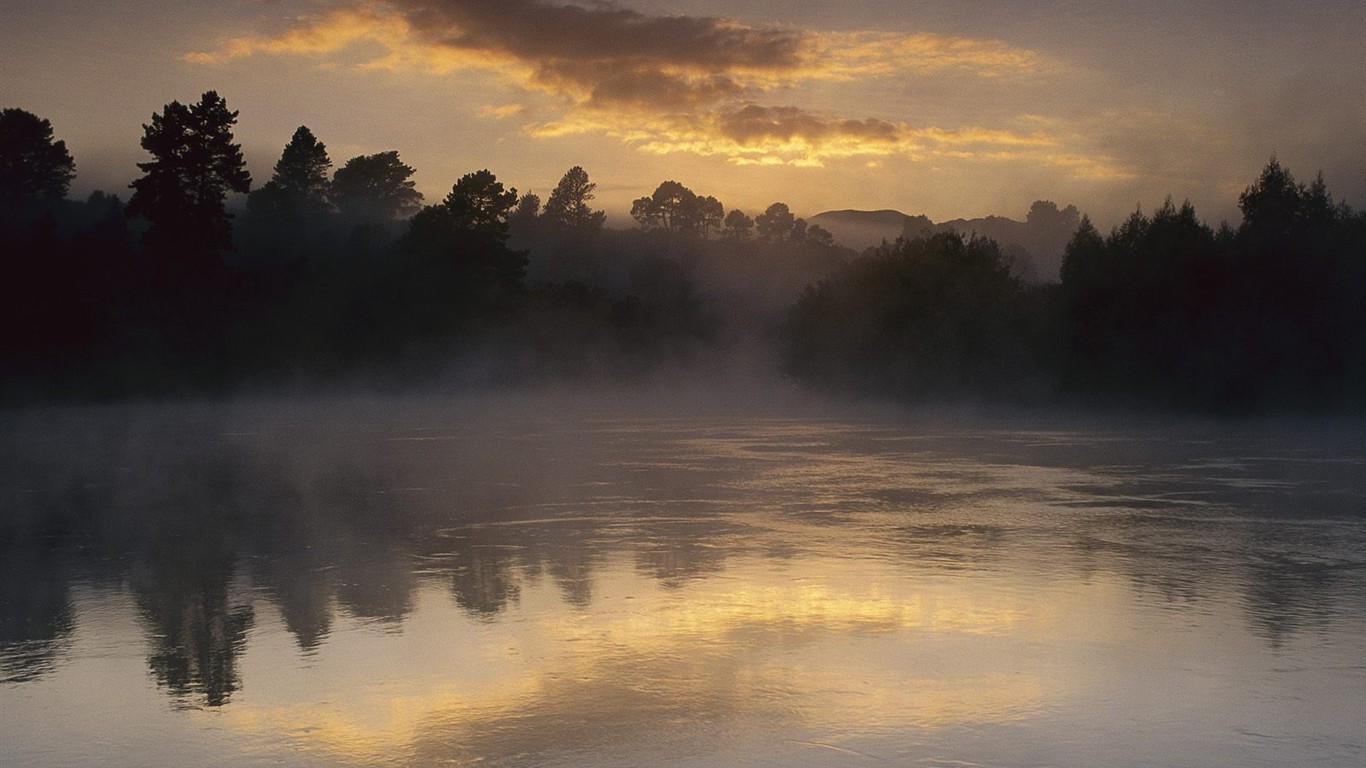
x,y
342,277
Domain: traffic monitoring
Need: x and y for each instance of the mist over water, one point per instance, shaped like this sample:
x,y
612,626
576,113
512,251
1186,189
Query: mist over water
x,y
676,578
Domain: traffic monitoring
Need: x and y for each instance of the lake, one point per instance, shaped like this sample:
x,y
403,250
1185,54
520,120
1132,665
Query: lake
x,y
570,581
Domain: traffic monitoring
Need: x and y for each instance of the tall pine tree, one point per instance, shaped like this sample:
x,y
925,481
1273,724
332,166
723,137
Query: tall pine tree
x,y
300,187
183,192
568,203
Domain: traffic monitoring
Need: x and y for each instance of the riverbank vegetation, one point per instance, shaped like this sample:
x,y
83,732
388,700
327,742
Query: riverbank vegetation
x,y
344,276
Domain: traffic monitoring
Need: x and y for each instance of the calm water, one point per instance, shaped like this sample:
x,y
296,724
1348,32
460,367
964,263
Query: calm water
x,y
350,583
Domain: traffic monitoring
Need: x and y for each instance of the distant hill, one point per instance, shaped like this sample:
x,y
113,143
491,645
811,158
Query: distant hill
x,y
1036,244
863,229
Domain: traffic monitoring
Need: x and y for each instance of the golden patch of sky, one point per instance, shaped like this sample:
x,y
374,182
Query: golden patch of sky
x,y
664,83
957,109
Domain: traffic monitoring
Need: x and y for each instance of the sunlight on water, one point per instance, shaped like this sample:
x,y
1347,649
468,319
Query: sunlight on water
x,y
343,585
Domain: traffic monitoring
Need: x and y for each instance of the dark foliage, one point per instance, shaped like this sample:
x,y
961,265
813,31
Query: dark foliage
x,y
300,187
35,171
334,280
937,316
1162,311
375,188
183,191
567,207
455,255
1269,314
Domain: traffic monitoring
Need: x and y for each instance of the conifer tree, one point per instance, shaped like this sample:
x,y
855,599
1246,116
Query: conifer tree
x,y
376,187
33,167
183,192
568,203
300,184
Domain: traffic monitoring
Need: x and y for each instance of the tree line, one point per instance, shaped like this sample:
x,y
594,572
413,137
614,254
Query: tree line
x,y
1164,310
334,274
330,273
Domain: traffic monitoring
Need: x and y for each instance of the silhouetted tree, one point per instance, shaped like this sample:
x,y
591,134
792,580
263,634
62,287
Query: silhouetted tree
x,y
936,316
458,266
1142,306
1274,206
34,169
738,226
300,185
35,172
1048,224
1269,314
195,164
528,209
568,206
1301,267
672,207
711,214
775,223
375,188
820,236
1084,255
479,203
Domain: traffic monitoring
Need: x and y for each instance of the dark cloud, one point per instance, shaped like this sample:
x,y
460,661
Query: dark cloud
x,y
539,31
665,83
608,84
756,125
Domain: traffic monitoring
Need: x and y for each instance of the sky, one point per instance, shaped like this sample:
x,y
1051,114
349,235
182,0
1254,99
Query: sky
x,y
948,109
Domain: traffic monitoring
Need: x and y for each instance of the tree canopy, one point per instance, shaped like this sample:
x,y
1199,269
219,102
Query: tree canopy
x,y
775,223
930,316
1270,313
300,184
34,169
568,206
195,164
478,202
672,207
375,188
738,226
459,264
1167,308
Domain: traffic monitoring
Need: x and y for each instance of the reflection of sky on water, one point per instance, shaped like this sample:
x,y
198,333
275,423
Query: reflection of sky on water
x,y
761,648
379,590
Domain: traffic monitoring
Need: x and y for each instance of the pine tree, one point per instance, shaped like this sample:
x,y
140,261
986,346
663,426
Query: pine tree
x,y
300,185
183,192
375,188
34,169
568,203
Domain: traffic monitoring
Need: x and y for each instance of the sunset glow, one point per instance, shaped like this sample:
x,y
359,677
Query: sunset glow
x,y
961,111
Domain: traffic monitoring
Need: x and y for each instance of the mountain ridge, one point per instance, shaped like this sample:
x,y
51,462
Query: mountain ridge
x,y
1035,244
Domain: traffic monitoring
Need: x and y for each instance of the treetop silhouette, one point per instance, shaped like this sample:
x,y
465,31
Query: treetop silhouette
x,y
775,223
568,206
301,182
375,188
34,169
479,202
195,164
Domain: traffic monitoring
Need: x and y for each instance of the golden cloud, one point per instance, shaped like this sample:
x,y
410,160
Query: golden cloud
x,y
318,35
870,54
751,134
501,111
667,84
585,46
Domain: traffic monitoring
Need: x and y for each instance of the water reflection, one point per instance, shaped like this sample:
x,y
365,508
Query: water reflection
x,y
35,612
464,585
